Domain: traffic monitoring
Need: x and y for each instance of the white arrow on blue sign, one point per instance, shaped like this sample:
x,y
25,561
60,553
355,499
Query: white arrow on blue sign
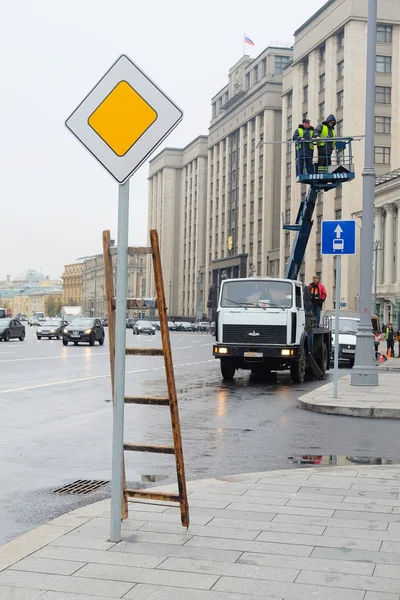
x,y
338,237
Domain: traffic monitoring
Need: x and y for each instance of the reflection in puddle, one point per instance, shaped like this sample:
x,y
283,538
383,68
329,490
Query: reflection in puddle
x,y
339,460
154,478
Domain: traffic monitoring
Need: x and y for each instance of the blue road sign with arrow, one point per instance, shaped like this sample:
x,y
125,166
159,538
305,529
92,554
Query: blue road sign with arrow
x,y
338,237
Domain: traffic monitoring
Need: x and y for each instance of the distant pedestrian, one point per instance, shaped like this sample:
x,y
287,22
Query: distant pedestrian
x,y
326,129
390,337
318,297
304,148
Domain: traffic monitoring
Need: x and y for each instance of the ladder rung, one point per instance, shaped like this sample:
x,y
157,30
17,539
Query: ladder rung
x,y
132,250
132,303
155,401
144,352
149,495
145,448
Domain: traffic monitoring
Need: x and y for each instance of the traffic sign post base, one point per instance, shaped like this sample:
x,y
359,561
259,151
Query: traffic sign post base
x,y
364,371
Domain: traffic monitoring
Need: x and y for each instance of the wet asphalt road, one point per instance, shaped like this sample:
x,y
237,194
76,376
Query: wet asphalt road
x,y
56,422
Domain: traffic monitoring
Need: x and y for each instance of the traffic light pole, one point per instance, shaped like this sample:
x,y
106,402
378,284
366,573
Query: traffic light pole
x,y
364,372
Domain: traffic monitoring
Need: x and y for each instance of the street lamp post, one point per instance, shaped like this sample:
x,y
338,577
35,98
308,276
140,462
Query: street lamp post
x,y
364,372
170,298
377,248
199,312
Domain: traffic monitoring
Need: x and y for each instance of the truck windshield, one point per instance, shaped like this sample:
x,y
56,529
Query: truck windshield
x,y
346,325
257,294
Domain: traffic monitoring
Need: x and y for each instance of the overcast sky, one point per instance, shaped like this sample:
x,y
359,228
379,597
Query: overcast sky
x,y
55,198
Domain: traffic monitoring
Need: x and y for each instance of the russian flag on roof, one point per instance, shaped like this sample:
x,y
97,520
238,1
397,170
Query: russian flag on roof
x,y
249,41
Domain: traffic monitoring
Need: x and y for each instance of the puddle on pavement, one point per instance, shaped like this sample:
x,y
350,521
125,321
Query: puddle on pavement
x,y
154,478
339,460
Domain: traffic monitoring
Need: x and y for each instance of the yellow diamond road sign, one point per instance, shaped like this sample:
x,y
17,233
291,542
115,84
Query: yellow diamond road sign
x,y
124,119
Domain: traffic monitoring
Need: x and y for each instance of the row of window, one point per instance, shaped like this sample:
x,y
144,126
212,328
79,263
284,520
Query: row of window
x,y
253,76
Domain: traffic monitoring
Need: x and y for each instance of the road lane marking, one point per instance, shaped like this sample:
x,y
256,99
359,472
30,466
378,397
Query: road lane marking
x,y
9,360
67,381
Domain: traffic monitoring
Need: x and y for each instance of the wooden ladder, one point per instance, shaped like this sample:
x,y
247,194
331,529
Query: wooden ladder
x,y
170,400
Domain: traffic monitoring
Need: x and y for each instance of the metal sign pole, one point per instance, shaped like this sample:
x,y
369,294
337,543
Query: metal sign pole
x,y
337,307
119,370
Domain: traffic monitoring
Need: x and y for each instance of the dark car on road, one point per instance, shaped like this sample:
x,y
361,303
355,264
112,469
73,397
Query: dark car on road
x,y
11,329
129,323
51,328
84,329
144,326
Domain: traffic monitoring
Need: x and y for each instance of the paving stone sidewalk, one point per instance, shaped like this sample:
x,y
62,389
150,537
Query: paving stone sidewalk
x,y
381,401
315,533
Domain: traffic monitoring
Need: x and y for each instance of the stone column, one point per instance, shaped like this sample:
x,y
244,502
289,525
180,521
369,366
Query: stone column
x,y
388,244
379,238
398,245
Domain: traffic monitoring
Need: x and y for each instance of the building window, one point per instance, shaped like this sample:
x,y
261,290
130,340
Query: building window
x,y
340,69
305,93
384,34
383,94
244,190
261,161
255,74
340,128
264,67
288,169
287,239
319,221
288,192
305,66
280,63
338,214
322,80
318,251
322,111
289,122
287,215
289,99
322,53
383,64
247,81
340,98
382,155
340,38
382,124
261,120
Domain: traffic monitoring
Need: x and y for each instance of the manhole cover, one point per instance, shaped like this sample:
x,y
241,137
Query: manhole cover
x,y
81,486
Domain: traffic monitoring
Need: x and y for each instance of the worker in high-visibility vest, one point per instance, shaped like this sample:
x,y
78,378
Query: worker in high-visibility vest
x,y
304,147
326,129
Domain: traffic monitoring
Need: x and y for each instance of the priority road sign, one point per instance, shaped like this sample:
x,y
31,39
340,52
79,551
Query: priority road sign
x,y
338,237
124,119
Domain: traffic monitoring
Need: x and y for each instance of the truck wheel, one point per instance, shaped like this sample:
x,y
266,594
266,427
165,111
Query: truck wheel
x,y
298,369
227,369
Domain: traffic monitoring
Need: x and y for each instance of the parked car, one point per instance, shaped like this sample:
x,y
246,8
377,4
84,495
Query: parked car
x,y
104,321
212,328
203,326
130,323
11,329
156,324
51,328
84,329
348,327
172,326
143,326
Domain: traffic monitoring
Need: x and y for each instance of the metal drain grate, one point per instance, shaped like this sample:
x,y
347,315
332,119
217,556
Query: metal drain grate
x,y
81,486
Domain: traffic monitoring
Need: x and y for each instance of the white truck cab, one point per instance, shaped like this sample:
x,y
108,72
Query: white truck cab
x,y
261,326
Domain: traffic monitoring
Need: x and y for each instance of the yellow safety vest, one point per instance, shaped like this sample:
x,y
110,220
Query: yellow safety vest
x,y
301,134
324,134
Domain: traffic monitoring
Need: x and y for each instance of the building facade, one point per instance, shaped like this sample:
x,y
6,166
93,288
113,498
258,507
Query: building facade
x,y
177,209
72,284
93,285
244,179
328,75
387,247
36,299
